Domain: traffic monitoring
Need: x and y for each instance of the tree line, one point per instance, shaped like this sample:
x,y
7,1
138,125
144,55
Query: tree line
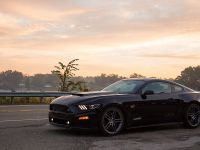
x,y
63,78
17,81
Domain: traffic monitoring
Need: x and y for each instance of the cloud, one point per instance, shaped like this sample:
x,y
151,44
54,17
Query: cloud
x,y
40,10
139,18
172,56
136,33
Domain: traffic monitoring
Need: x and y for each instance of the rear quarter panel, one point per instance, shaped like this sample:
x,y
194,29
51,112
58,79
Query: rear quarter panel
x,y
189,97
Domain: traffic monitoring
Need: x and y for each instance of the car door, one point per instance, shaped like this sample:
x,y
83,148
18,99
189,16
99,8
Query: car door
x,y
158,106
178,101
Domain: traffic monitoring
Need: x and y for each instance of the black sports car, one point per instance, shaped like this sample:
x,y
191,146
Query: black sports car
x,y
128,103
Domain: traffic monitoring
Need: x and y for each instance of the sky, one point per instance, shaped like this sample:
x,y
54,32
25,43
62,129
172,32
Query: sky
x,y
150,37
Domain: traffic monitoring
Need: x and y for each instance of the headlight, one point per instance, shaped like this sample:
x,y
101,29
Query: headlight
x,y
89,107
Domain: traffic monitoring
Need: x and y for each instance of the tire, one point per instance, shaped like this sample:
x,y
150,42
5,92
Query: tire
x,y
192,116
111,121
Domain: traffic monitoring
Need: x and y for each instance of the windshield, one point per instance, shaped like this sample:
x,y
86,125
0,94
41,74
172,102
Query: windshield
x,y
124,86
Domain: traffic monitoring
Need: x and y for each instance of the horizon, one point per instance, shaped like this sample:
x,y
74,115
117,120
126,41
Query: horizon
x,y
150,38
119,75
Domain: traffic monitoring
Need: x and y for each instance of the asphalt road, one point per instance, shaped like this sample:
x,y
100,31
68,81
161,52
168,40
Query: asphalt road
x,y
27,128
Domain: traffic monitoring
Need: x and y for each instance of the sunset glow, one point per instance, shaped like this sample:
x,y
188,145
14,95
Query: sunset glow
x,y
153,38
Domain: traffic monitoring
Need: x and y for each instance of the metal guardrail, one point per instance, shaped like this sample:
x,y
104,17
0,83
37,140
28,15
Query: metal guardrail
x,y
27,95
33,94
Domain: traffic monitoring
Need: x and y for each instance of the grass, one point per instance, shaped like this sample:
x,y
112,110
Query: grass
x,y
24,100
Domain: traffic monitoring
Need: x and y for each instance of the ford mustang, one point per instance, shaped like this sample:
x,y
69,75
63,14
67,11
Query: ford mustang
x,y
128,103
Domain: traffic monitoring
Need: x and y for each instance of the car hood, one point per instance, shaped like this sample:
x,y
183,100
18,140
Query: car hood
x,y
81,97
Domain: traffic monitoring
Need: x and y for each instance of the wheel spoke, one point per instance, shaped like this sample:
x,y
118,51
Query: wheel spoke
x,y
118,120
197,113
114,127
107,125
194,121
112,121
107,117
194,115
113,115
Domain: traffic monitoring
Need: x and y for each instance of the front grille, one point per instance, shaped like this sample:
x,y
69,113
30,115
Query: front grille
x,y
59,121
59,108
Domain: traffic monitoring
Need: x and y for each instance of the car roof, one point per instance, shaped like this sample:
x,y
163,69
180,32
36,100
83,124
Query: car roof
x,y
145,79
162,80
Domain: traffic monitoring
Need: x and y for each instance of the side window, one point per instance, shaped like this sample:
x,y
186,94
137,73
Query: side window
x,y
158,87
177,88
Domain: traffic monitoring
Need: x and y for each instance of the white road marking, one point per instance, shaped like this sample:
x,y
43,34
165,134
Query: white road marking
x,y
21,105
23,120
23,110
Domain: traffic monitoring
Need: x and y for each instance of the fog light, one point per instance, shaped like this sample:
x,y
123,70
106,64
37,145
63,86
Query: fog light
x,y
51,119
83,118
67,122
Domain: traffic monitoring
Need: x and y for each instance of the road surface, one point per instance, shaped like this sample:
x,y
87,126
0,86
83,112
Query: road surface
x,y
26,127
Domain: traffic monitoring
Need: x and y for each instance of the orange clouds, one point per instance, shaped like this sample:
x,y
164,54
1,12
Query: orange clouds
x,y
125,36
40,9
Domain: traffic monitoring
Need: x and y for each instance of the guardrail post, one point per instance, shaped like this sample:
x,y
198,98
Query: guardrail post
x,y
11,100
41,99
27,98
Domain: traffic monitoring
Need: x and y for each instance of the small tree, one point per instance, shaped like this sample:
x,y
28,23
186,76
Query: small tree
x,y
65,74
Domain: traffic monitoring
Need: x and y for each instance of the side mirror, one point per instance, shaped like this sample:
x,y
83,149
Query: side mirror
x,y
148,92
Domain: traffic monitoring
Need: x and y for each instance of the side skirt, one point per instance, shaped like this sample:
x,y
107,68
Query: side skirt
x,y
155,125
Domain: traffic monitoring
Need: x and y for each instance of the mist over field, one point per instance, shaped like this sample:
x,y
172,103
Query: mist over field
x,y
17,81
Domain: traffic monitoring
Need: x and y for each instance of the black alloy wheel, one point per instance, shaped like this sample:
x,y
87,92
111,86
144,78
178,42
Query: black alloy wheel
x,y
112,121
192,117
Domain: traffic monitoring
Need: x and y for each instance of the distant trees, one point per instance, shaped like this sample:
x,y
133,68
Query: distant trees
x,y
42,82
10,80
135,75
14,80
190,77
65,73
65,79
99,82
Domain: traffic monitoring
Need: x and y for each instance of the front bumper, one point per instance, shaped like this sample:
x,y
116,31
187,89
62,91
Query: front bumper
x,y
71,120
